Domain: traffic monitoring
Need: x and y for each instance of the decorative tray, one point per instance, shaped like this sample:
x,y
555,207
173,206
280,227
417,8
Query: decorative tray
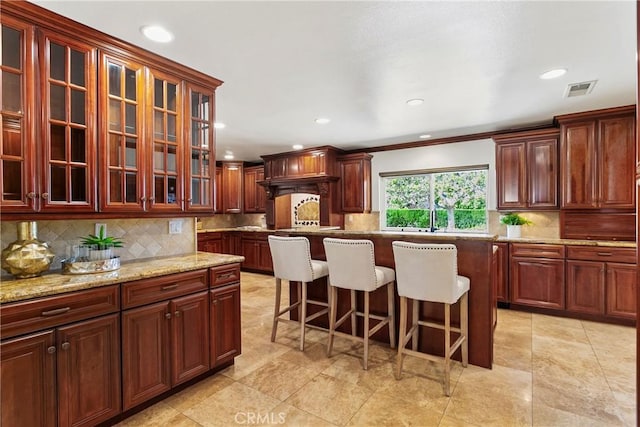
x,y
89,267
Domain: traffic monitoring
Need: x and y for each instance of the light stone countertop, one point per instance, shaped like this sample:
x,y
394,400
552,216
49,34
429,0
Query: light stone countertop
x,y
552,241
56,283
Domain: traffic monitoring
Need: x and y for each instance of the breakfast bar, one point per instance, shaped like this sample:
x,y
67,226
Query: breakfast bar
x,y
475,260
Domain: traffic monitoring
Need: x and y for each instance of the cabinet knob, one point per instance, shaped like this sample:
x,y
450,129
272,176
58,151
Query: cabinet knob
x,y
143,199
51,350
152,199
65,346
31,195
167,316
45,196
177,314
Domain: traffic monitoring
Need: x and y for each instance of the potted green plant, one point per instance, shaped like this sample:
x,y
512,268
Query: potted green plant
x,y
101,246
514,223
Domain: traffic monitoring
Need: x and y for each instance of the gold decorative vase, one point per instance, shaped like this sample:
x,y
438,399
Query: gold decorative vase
x,y
27,256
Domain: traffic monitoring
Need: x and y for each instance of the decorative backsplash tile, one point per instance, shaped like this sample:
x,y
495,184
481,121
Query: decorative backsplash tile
x,y
305,210
143,238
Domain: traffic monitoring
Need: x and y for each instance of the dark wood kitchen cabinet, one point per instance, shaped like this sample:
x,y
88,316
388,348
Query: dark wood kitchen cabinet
x,y
597,159
536,274
165,343
210,242
502,270
141,140
527,170
601,280
217,190
355,187
226,340
254,194
69,373
256,252
232,178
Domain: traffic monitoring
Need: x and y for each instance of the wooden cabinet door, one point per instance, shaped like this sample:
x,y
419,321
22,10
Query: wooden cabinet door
x,y
28,380
218,189
585,286
68,82
355,175
250,194
511,176
146,353
250,252
189,336
261,193
616,162
200,147
265,262
502,279
542,174
578,166
225,324
621,286
232,187
537,282
214,246
165,172
89,371
17,111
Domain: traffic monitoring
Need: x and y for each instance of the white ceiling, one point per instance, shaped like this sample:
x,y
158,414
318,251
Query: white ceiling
x,y
476,64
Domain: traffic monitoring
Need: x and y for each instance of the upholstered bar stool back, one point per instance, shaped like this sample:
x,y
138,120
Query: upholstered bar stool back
x,y
292,261
352,266
429,272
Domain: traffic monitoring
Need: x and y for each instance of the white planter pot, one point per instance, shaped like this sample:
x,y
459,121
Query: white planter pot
x,y
514,231
98,255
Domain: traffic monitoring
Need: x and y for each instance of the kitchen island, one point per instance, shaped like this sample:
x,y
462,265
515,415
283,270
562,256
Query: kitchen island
x,y
475,260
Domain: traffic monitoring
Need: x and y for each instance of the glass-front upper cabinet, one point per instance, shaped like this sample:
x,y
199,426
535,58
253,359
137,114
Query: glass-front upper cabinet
x,y
165,116
68,74
121,135
200,166
17,158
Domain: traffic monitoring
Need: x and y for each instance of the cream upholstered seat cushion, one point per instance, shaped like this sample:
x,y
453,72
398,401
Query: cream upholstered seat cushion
x,y
429,272
353,265
292,260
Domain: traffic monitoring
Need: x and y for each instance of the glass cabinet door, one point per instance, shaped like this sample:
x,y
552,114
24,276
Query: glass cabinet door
x,y
68,75
201,164
165,183
121,135
17,167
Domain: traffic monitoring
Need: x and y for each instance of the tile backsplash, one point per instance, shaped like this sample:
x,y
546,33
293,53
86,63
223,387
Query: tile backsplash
x,y
143,238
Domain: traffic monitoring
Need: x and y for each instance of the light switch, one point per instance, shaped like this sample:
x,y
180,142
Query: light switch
x,y
175,227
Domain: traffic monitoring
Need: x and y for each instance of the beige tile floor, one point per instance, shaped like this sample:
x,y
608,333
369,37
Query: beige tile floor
x,y
548,371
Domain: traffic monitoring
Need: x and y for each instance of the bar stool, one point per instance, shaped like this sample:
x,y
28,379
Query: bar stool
x,y
352,266
292,261
429,272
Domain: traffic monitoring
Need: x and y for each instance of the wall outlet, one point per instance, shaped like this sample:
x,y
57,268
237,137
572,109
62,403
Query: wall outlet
x,y
97,228
175,227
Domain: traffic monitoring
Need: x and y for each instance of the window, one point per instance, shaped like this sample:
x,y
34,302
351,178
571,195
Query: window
x,y
444,199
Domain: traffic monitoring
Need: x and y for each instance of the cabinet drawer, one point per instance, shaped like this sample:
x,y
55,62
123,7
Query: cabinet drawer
x,y
33,315
162,288
225,274
608,254
209,235
537,250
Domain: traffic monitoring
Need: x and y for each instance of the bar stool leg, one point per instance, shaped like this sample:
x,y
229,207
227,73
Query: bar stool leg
x,y
333,308
353,312
303,315
447,347
365,335
402,339
415,317
276,310
392,314
464,327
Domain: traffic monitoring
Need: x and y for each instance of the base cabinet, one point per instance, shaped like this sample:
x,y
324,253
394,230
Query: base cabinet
x,y
537,275
257,253
585,286
225,324
621,286
77,366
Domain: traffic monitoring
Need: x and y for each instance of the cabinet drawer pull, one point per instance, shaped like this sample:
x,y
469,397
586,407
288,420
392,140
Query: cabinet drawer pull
x,y
51,350
605,254
56,311
66,345
169,287
226,276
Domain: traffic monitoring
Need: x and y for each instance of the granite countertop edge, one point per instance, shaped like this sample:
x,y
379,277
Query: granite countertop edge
x,y
56,283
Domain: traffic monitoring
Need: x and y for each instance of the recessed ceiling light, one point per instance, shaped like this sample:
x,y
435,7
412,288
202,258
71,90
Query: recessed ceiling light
x,y
219,125
156,33
298,146
552,74
322,120
415,101
228,156
424,136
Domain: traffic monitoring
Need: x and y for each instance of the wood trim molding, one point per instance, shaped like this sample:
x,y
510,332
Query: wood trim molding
x,y
588,115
